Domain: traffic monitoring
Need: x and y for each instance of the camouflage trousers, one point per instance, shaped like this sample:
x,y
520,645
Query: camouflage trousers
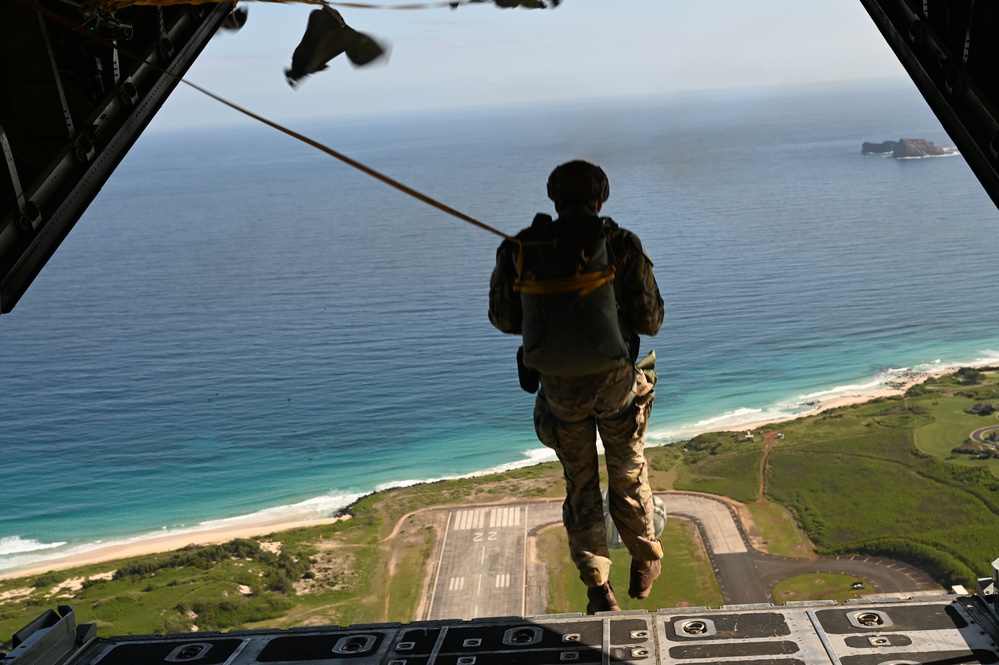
x,y
568,413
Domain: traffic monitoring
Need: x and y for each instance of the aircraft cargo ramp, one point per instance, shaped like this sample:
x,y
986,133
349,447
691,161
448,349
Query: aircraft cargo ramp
x,y
942,629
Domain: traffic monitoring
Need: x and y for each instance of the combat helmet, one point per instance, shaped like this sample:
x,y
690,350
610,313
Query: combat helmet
x,y
578,182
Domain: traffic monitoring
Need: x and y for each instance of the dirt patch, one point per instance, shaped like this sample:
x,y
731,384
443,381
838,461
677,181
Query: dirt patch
x,y
273,547
15,593
72,585
329,616
68,588
333,569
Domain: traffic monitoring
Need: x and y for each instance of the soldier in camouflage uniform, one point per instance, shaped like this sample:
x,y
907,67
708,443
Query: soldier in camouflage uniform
x,y
615,401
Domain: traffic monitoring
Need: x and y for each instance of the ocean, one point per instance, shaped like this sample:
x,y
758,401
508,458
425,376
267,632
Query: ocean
x,y
241,327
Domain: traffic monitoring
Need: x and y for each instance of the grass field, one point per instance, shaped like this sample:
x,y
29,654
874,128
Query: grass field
x,y
817,586
878,478
687,578
778,532
855,480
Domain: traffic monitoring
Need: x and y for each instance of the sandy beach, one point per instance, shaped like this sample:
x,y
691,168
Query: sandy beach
x,y
170,542
905,382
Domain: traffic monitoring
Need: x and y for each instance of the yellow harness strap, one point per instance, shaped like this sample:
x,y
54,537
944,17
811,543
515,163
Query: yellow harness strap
x,y
583,284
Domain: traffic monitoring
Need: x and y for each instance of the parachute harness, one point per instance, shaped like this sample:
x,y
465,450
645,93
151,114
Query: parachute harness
x,y
582,283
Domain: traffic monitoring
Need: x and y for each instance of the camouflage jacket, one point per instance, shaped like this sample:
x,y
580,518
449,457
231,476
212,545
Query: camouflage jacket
x,y
640,306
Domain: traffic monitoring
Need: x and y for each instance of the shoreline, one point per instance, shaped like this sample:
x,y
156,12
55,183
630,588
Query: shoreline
x,y
896,389
157,544
170,542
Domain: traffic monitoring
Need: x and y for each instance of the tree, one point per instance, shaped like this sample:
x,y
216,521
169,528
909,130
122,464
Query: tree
x,y
969,376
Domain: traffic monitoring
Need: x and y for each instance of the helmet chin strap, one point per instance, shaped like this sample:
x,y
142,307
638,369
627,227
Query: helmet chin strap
x,y
593,207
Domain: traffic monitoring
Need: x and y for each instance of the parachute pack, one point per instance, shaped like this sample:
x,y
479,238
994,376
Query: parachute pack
x,y
565,276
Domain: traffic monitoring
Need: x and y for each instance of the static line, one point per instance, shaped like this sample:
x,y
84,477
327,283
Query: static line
x,y
58,18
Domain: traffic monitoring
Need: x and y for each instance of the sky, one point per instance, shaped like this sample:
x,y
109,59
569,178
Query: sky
x,y
481,55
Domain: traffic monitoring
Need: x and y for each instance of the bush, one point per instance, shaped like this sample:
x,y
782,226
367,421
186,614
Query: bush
x,y
204,558
227,614
48,579
969,376
941,565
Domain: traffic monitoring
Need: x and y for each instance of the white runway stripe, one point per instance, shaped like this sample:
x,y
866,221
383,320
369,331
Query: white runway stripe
x,y
507,516
469,519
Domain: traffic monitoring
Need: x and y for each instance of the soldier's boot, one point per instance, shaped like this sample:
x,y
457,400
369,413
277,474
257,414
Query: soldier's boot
x,y
601,599
643,574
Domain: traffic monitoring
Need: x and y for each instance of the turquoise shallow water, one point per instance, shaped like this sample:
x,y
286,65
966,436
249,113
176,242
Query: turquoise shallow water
x,y
242,326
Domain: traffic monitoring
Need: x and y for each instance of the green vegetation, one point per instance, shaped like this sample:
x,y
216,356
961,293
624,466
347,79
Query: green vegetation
x,y
817,586
343,573
870,490
778,533
879,478
969,376
663,462
687,579
855,481
722,463
949,429
208,588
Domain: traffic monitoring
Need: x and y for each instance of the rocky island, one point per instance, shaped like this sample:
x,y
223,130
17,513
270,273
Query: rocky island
x,y
903,148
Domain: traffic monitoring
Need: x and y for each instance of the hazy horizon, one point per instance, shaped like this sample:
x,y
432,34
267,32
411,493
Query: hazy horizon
x,y
744,92
480,55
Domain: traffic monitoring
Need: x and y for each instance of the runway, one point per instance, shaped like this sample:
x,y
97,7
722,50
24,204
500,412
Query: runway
x,y
482,566
482,569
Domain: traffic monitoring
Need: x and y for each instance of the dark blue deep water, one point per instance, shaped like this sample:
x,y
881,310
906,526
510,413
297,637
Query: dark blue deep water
x,y
241,325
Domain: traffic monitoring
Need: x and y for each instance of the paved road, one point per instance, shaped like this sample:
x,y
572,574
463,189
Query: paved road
x,y
978,436
482,566
746,575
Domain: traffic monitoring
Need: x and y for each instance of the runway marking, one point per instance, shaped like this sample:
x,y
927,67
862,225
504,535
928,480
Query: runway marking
x,y
505,516
453,595
440,562
469,519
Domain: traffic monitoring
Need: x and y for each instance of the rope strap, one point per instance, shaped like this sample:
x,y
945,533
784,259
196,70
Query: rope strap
x,y
33,4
